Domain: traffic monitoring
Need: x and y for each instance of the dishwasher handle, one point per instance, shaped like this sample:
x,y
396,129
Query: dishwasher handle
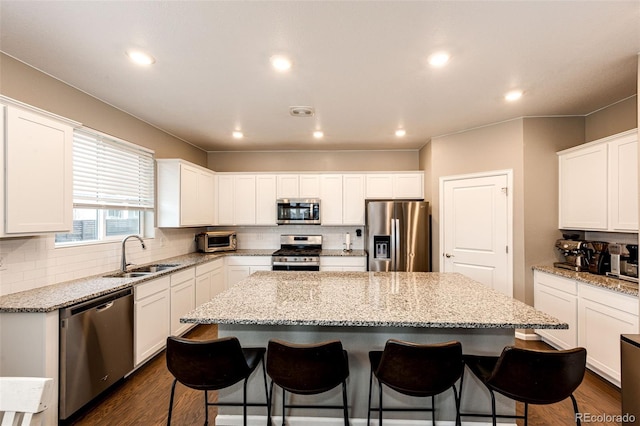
x,y
104,307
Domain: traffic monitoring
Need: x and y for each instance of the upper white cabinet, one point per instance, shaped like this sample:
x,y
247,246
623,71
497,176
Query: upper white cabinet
x,y
266,199
395,186
246,199
353,199
298,186
331,200
36,188
186,194
288,186
598,185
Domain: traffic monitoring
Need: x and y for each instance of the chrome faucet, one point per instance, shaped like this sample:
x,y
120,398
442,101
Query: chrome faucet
x,y
124,264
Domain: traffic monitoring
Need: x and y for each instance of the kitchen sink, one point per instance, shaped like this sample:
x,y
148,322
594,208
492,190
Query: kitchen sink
x,y
155,268
134,274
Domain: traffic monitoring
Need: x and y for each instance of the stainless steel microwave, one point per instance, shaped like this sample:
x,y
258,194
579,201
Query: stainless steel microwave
x,y
298,211
212,241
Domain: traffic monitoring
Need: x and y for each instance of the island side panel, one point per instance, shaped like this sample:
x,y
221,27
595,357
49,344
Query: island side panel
x,y
358,341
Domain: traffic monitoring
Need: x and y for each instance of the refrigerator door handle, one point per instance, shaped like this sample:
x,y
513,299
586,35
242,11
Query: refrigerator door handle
x,y
396,243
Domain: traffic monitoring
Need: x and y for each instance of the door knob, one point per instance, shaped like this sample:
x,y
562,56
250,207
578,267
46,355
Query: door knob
x,y
448,255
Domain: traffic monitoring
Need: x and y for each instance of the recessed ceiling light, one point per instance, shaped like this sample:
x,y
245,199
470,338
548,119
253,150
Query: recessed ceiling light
x,y
237,135
513,95
140,58
318,134
439,59
280,63
401,132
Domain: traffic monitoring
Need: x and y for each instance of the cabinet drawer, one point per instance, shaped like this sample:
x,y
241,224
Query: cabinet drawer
x,y
151,287
342,261
559,283
182,276
208,267
615,300
248,260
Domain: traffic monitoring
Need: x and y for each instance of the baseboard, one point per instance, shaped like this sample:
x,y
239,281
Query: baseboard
x,y
236,420
527,336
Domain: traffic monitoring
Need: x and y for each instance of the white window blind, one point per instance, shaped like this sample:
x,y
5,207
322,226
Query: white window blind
x,y
111,173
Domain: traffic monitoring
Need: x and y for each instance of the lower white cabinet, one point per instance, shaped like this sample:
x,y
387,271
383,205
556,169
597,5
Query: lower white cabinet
x,y
344,264
558,297
596,316
210,279
151,318
183,299
240,267
603,315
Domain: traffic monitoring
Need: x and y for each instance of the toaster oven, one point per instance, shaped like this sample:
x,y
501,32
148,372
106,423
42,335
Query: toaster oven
x,y
213,241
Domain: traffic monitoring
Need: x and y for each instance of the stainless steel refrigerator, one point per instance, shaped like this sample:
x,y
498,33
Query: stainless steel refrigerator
x,y
398,236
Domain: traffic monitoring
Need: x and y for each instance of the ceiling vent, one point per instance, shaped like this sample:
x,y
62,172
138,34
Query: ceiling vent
x,y
301,111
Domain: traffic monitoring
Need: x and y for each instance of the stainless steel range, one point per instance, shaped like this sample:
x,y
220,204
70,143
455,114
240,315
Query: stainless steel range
x,y
297,253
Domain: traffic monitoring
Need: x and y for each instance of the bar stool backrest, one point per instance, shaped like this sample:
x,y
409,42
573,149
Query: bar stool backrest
x,y
420,369
538,377
307,368
23,400
206,365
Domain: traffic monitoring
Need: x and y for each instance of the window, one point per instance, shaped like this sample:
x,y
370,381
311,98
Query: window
x,y
112,188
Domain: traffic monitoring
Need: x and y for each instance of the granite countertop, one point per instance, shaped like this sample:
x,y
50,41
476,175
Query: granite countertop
x,y
621,286
342,253
61,295
368,299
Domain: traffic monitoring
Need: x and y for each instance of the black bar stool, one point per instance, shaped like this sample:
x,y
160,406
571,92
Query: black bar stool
x,y
422,370
529,376
308,369
213,365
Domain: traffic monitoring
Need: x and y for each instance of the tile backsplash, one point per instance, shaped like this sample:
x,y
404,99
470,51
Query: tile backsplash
x,y
33,262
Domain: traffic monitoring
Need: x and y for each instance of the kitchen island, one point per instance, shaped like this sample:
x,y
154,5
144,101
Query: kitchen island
x,y
363,310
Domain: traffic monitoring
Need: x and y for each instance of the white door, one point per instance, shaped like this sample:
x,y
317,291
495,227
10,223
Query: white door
x,y
475,229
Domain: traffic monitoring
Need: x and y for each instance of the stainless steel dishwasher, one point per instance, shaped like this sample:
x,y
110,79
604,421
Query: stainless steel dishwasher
x,y
96,348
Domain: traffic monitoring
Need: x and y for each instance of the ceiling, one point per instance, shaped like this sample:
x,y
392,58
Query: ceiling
x,y
362,65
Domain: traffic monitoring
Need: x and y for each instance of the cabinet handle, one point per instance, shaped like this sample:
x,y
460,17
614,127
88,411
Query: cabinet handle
x,y
448,255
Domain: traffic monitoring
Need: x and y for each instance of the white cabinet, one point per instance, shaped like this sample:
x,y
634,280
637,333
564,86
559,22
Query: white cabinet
x,y
266,199
210,278
353,199
309,186
287,186
186,194
151,318
237,199
623,183
240,267
608,202
183,300
603,315
395,186
343,263
557,296
36,188
331,200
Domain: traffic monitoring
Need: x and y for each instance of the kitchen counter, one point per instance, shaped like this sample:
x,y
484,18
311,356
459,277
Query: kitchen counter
x,y
621,286
368,299
363,310
342,253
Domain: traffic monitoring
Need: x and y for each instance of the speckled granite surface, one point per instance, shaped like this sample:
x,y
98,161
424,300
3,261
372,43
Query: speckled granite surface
x,y
610,283
396,299
342,253
57,296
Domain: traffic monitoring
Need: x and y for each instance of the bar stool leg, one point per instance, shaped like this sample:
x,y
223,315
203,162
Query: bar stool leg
x,y
380,405
344,403
575,409
493,408
270,401
369,404
284,392
526,414
206,409
433,407
266,391
173,390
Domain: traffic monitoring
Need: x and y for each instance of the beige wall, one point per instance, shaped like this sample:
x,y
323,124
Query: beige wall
x,y
265,161
612,119
28,85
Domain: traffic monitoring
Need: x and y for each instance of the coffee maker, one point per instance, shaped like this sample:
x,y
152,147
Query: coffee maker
x,y
599,258
624,261
576,255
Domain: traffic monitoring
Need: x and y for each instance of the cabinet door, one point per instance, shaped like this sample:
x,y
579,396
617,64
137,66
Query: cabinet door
x,y
287,186
182,301
563,306
235,274
353,199
602,317
151,324
331,200
225,200
38,174
309,186
189,206
623,184
206,198
583,188
379,186
266,200
244,210
217,281
408,186
203,288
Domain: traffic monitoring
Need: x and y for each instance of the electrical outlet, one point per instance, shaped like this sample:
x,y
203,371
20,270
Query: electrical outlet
x,y
3,264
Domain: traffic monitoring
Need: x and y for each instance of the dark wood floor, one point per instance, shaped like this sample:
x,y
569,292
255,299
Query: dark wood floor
x,y
143,398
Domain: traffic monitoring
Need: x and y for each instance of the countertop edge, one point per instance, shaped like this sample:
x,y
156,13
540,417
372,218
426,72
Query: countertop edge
x,y
610,283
